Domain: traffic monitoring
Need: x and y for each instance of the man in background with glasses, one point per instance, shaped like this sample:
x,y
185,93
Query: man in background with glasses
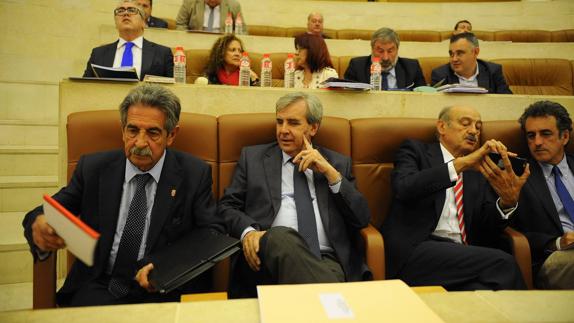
x,y
131,49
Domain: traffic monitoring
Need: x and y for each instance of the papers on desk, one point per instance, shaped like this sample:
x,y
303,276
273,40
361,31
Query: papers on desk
x,y
115,72
460,88
80,239
158,79
336,83
373,301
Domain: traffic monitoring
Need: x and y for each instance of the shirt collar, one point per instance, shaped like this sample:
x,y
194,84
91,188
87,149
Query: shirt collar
x,y
562,165
138,42
286,158
155,171
446,155
470,79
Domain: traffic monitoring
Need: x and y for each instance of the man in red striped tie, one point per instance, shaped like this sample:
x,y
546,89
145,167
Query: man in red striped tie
x,y
450,201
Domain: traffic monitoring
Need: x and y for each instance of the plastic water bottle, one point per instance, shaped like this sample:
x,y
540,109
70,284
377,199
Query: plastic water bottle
x,y
266,67
376,74
245,71
289,74
229,24
239,24
179,65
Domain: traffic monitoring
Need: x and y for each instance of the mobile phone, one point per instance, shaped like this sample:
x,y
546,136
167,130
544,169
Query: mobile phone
x,y
518,164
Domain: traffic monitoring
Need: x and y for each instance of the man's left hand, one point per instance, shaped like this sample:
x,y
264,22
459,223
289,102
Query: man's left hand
x,y
504,181
312,158
142,277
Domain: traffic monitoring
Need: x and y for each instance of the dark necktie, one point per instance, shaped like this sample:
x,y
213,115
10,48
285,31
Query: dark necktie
x,y
126,260
128,57
563,193
210,19
307,226
385,80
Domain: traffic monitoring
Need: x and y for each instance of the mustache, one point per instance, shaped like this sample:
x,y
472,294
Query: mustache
x,y
471,137
144,152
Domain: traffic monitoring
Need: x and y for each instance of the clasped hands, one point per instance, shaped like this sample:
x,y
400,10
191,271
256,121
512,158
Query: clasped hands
x,y
504,181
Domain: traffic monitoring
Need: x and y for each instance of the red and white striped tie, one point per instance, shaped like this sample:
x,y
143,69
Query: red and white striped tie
x,y
458,196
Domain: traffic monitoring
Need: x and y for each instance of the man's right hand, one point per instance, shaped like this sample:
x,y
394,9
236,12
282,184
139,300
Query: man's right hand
x,y
567,240
251,248
474,159
45,238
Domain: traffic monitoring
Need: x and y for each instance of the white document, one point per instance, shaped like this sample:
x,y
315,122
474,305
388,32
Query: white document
x,y
80,239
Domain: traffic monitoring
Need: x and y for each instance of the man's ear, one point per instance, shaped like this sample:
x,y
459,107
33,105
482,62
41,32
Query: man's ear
x,y
440,126
314,129
171,136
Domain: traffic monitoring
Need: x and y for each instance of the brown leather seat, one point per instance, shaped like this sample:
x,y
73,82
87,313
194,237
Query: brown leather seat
x,y
272,31
355,34
480,34
538,76
566,35
523,36
430,63
419,35
196,61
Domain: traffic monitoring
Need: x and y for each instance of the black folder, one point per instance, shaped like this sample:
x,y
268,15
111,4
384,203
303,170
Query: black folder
x,y
188,257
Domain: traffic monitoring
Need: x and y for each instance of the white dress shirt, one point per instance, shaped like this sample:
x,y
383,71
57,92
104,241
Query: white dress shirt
x,y
137,51
471,81
216,18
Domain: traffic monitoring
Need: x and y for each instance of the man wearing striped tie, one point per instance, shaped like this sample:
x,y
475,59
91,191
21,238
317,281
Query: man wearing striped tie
x,y
450,200
132,49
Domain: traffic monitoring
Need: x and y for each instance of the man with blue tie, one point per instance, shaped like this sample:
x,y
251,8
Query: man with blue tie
x,y
546,215
131,49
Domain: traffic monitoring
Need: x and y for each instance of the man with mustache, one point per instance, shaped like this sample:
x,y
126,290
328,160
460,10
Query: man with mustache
x,y
465,68
444,212
140,200
546,214
131,49
398,72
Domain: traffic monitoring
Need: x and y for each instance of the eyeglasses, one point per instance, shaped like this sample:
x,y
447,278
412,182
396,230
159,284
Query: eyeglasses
x,y
129,10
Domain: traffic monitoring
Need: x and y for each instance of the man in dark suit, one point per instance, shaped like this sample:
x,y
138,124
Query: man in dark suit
x,y
465,68
399,72
444,212
294,206
150,20
140,200
546,214
145,56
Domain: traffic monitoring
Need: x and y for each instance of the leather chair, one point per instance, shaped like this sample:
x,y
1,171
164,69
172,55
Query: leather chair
x,y
539,76
355,34
294,31
239,130
93,131
481,35
272,31
523,36
196,61
430,63
566,35
419,35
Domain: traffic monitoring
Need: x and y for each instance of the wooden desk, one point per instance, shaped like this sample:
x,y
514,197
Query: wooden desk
x,y
480,306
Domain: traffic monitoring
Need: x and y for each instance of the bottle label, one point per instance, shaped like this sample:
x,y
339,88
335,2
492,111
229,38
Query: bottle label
x,y
179,59
244,63
266,64
376,68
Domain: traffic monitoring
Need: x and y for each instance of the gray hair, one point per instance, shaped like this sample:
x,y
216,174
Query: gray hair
x,y
155,96
314,106
444,114
470,37
385,35
137,5
313,14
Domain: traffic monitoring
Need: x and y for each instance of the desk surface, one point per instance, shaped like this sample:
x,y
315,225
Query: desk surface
x,y
480,306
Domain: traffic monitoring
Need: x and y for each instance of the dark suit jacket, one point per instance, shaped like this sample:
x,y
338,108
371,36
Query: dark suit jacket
x,y
254,198
156,22
408,71
489,76
419,181
94,193
537,217
156,59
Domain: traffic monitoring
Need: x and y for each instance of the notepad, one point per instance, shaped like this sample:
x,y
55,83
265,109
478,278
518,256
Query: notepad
x,y
80,239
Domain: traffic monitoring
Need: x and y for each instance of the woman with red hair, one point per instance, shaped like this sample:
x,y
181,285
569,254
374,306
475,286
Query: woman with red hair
x,y
313,63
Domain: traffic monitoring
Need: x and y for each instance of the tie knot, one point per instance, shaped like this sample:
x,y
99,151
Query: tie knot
x,y
141,179
129,45
556,171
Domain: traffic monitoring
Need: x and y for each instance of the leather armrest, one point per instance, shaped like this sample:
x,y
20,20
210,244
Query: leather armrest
x,y
521,251
374,251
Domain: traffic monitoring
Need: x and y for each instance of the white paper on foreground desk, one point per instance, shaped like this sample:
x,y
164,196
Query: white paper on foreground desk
x,y
373,301
80,239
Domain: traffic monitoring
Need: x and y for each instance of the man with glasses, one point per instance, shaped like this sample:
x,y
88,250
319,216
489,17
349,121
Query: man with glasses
x,y
398,72
140,199
131,49
466,69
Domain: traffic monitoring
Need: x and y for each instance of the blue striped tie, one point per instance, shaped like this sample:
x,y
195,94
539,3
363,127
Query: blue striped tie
x,y
563,193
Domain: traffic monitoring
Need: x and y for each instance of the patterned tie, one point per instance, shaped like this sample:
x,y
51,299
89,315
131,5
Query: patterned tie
x,y
307,226
128,58
385,80
210,19
458,197
565,197
125,265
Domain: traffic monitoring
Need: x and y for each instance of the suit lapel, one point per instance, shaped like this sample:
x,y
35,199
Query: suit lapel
x,y
436,159
110,194
483,76
110,54
170,180
400,75
148,51
272,168
538,184
322,194
222,16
